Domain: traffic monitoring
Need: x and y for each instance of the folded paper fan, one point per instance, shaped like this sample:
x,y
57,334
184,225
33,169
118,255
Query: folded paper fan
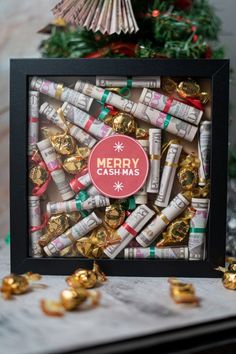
x,y
106,16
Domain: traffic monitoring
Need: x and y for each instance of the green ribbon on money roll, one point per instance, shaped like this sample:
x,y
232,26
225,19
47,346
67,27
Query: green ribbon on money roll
x,y
81,197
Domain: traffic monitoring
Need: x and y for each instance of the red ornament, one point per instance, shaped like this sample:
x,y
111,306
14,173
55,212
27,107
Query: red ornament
x,y
195,38
183,4
155,13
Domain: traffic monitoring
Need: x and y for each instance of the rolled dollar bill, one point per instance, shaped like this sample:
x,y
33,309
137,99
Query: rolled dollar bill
x,y
127,231
105,96
153,252
197,232
204,151
168,175
61,93
124,81
141,196
81,182
165,121
154,160
168,104
53,116
35,221
73,234
90,124
92,190
160,223
58,175
33,114
91,203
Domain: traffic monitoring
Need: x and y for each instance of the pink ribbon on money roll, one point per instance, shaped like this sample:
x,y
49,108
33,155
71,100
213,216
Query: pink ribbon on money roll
x,y
77,185
42,226
191,102
129,229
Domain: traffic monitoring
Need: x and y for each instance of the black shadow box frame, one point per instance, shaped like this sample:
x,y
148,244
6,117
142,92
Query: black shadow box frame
x,y
216,70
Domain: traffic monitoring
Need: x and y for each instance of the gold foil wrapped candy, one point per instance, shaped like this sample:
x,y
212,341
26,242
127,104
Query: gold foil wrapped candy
x,y
176,233
86,278
14,284
114,215
141,133
188,172
182,293
56,225
229,276
93,246
38,175
52,308
124,123
71,298
74,164
186,89
64,144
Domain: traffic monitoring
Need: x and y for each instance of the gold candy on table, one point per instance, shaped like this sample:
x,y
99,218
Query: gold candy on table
x,y
124,123
93,245
38,175
229,276
177,232
182,293
64,144
70,300
188,172
13,284
86,278
114,215
56,225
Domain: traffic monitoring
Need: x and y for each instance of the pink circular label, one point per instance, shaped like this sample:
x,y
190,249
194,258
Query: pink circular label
x,y
118,166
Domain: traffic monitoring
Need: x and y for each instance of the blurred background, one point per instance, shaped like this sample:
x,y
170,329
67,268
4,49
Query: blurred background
x,y
21,20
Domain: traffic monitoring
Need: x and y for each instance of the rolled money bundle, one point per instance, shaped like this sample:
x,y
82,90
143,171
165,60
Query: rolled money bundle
x,y
92,190
154,160
58,175
73,234
35,222
165,121
105,96
133,224
53,116
91,203
204,151
168,104
80,182
33,116
153,252
168,174
141,196
126,81
160,223
90,124
61,93
197,232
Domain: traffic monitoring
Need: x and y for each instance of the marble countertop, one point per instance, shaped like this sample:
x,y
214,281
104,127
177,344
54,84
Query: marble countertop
x,y
130,307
